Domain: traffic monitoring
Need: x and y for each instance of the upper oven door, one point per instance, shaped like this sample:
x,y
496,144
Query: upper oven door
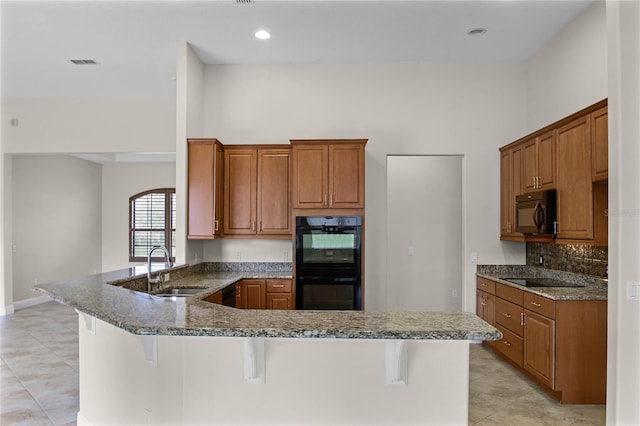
x,y
328,241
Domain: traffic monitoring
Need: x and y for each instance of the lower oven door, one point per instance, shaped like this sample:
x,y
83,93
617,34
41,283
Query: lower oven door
x,y
328,293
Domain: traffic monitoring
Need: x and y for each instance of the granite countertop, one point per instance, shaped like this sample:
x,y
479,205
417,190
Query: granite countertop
x,y
595,288
105,297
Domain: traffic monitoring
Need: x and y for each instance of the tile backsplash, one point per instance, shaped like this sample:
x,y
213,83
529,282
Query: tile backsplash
x,y
581,259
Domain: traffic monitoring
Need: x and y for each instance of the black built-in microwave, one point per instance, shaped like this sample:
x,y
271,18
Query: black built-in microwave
x,y
536,213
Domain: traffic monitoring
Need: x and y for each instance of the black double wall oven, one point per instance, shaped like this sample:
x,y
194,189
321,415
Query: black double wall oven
x,y
328,262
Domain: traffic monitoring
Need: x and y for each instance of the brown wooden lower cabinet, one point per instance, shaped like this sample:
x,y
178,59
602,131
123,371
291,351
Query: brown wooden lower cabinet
x,y
251,294
215,297
273,293
560,344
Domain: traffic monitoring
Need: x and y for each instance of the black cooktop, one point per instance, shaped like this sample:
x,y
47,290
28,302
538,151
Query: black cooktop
x,y
542,282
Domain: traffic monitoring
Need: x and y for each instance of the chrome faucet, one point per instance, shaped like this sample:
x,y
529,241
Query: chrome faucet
x,y
167,261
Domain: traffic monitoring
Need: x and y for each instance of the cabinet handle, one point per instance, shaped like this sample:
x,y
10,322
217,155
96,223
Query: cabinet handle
x,y
506,315
216,225
253,225
483,284
330,199
278,286
506,343
324,199
260,226
556,226
536,304
522,318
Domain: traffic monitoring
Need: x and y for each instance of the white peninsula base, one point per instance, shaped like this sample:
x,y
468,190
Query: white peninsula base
x,y
132,379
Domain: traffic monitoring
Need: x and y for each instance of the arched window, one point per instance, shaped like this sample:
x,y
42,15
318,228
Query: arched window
x,y
152,222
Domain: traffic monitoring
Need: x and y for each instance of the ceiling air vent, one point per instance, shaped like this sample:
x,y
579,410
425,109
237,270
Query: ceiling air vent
x,y
83,61
244,1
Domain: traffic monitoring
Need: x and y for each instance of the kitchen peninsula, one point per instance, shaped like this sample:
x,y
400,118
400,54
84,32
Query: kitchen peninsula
x,y
151,360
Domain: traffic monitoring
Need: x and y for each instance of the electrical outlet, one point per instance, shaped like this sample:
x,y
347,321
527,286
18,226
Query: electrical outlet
x,y
454,293
541,259
411,251
167,277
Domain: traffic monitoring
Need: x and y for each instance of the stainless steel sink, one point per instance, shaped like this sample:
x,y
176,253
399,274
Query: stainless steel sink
x,y
180,291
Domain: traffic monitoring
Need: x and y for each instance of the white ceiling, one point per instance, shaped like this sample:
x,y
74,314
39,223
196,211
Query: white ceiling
x,y
135,42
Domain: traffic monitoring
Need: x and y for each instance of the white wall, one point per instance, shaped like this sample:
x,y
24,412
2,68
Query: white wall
x,y
6,232
56,209
89,124
119,182
623,386
189,124
424,234
200,381
242,250
402,109
569,73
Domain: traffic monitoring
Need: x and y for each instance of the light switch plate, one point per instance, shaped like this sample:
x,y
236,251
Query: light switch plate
x,y
633,290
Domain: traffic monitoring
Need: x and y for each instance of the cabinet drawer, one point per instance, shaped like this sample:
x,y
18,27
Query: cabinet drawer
x,y
510,345
278,286
540,304
509,315
509,293
486,285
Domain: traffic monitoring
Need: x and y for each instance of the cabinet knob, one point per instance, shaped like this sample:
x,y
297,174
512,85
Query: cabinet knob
x,y
506,343
506,315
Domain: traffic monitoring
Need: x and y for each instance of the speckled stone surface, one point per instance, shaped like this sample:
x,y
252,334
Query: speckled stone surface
x,y
594,288
576,258
141,313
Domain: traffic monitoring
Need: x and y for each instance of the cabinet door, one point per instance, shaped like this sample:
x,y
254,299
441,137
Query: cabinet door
x,y
215,298
530,165
547,160
574,187
346,176
274,191
510,186
310,175
240,167
254,294
204,193
540,347
600,144
280,301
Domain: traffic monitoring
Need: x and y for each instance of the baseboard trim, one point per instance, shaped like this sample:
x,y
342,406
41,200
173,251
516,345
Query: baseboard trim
x,y
6,310
82,420
33,301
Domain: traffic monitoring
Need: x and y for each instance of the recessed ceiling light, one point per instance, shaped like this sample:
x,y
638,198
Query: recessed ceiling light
x,y
477,31
263,34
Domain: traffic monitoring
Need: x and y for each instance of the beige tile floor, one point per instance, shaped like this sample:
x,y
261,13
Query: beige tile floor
x,y
500,395
39,379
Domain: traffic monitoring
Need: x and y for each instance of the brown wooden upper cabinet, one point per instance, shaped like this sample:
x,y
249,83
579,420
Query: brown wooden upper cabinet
x,y
257,191
539,162
510,186
204,188
328,174
600,145
574,186
569,156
